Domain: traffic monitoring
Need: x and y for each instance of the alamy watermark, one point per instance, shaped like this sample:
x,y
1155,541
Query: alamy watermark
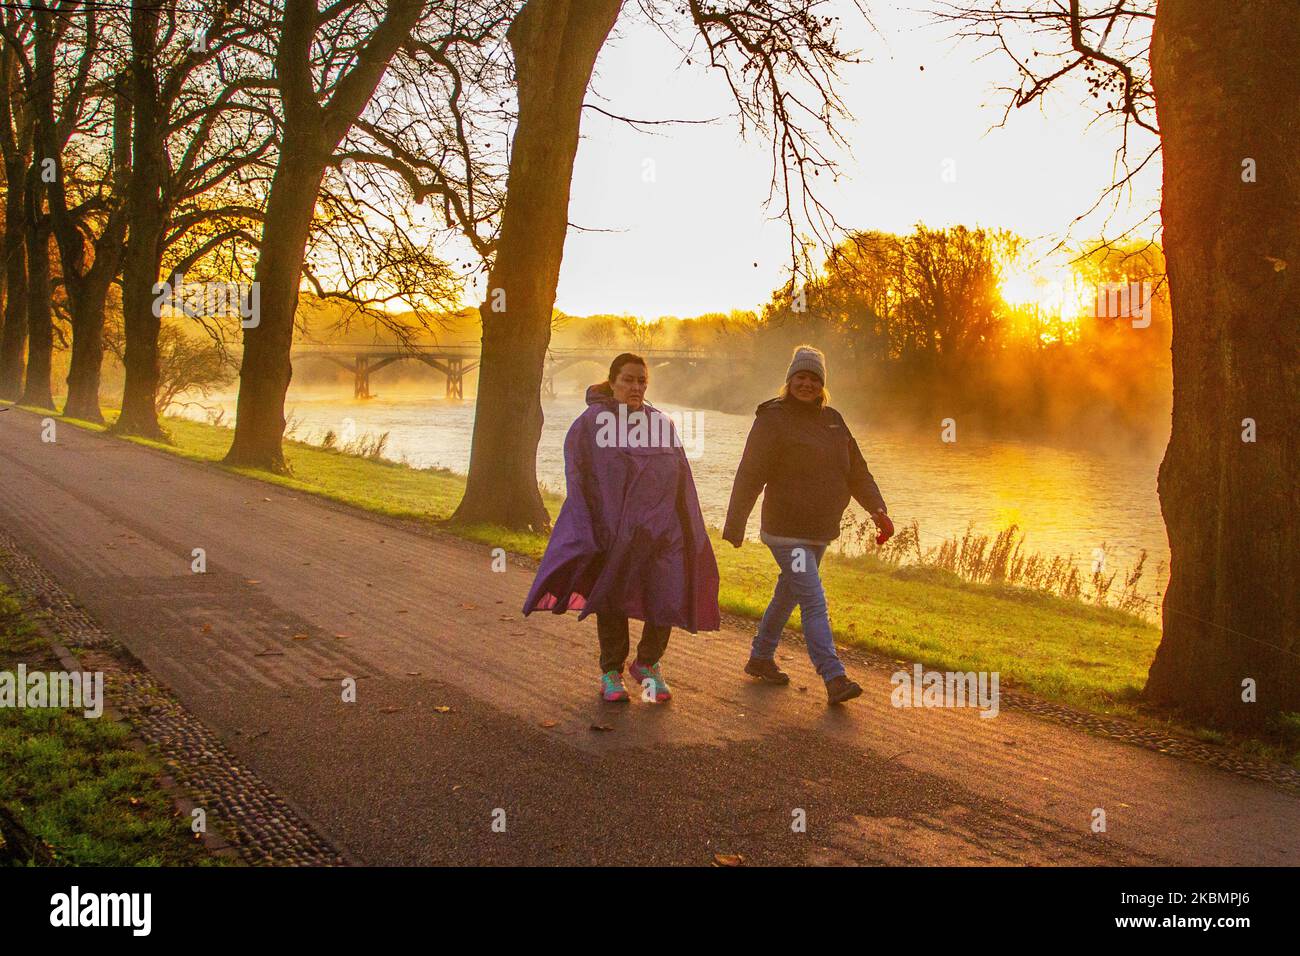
x,y
1124,300
922,688
210,299
69,690
654,429
130,910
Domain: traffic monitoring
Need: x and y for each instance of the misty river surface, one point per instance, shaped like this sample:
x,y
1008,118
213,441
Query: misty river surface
x,y
1067,502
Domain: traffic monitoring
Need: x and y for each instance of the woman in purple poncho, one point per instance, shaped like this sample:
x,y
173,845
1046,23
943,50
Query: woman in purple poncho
x,y
630,540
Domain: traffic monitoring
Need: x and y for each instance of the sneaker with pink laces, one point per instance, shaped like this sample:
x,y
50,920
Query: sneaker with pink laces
x,y
611,687
651,681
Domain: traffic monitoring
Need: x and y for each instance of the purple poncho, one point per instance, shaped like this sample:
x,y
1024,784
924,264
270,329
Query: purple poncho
x,y
630,538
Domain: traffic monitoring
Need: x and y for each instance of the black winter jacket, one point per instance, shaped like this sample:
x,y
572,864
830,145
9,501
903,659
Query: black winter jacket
x,y
810,465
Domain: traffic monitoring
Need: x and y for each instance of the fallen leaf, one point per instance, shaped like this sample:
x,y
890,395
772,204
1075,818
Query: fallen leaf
x,y
412,673
389,710
300,637
443,709
469,607
728,859
207,627
550,723
252,581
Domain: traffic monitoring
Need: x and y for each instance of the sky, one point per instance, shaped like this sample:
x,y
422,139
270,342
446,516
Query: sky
x,y
683,226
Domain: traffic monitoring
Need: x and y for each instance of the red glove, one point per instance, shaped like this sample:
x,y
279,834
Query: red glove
x,y
885,526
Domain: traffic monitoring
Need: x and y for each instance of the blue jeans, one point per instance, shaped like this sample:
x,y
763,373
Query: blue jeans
x,y
799,584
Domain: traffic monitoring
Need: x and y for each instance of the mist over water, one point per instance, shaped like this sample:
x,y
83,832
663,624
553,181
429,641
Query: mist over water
x,y
1066,501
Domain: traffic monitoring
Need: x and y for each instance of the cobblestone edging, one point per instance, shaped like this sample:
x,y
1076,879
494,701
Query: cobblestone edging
x,y
256,821
1222,758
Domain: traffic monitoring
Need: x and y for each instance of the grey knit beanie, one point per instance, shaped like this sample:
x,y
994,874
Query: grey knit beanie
x,y
807,359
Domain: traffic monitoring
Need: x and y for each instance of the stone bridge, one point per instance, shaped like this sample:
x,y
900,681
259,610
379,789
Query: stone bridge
x,y
457,361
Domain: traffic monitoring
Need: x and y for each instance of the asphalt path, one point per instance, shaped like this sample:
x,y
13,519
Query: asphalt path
x,y
301,594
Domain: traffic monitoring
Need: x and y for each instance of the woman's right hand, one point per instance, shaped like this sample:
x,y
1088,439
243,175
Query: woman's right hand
x,y
884,526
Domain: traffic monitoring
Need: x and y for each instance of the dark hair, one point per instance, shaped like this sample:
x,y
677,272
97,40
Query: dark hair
x,y
627,358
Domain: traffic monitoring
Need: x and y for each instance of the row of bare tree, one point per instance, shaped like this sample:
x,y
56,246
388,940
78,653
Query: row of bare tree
x,y
293,142
152,141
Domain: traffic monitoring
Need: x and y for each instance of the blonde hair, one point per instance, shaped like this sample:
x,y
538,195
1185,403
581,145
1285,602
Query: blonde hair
x,y
823,399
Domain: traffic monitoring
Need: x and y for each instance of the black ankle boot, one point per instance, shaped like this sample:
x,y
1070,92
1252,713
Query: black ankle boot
x,y
839,689
766,668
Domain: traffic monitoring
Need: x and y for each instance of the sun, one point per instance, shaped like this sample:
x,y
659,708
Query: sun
x,y
1050,290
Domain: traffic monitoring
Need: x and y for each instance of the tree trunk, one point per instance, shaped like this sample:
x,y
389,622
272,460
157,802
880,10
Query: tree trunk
x,y
555,45
146,222
141,325
266,370
87,286
1228,99
40,310
40,321
14,339
87,354
312,133
16,145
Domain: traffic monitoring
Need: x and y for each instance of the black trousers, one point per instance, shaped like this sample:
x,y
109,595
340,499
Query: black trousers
x,y
613,634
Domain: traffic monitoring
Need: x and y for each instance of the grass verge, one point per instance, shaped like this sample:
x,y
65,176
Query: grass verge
x,y
73,790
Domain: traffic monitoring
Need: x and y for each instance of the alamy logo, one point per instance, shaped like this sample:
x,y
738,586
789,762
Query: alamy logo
x,y
922,688
210,299
73,690
74,908
653,429
1124,300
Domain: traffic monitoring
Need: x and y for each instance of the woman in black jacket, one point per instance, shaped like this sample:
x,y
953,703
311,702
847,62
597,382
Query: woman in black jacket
x,y
802,453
